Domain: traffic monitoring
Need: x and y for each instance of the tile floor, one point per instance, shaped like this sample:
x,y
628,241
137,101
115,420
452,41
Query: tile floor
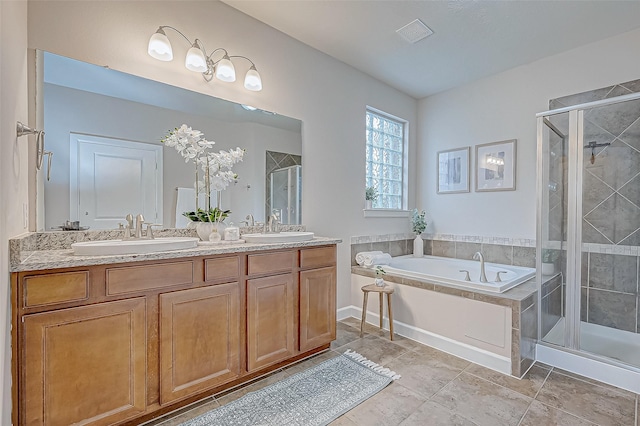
x,y
440,389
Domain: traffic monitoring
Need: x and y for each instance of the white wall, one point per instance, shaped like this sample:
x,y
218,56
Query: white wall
x,y
13,168
502,107
327,95
69,110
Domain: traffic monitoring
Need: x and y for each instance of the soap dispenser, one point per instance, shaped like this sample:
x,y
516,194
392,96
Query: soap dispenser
x,y
232,233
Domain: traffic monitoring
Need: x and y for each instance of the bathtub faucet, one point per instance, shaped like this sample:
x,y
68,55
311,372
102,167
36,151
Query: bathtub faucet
x,y
480,257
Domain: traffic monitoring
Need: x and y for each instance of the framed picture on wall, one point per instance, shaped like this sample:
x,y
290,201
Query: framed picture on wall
x,y
453,171
496,166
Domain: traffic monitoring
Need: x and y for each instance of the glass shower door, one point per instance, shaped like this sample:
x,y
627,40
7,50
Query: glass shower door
x,y
286,194
610,228
553,134
589,229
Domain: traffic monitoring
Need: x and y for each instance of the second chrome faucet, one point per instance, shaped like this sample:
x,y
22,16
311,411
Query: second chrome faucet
x,y
478,256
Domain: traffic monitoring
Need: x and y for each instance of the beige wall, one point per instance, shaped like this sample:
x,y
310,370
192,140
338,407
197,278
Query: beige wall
x,y
300,82
503,107
13,167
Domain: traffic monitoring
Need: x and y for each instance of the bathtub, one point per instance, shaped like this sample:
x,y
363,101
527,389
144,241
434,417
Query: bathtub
x,y
446,271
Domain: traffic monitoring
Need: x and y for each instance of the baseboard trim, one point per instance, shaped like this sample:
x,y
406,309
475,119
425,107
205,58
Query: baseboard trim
x,y
445,344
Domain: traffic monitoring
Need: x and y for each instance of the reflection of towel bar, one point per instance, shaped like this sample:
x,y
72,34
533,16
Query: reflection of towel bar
x,y
22,130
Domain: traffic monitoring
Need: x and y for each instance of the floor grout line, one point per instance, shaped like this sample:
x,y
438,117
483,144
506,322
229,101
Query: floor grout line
x,y
535,396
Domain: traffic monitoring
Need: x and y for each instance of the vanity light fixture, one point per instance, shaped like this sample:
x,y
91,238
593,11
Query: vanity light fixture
x,y
197,60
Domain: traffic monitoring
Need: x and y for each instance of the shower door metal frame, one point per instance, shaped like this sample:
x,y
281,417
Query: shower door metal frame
x,y
573,244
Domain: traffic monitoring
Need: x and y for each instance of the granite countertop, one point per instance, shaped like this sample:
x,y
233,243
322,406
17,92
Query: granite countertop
x,y
35,260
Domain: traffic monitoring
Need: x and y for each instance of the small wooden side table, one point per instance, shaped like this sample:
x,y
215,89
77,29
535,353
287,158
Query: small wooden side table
x,y
388,290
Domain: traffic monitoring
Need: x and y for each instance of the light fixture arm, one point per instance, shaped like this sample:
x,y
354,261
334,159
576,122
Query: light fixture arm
x,y
243,57
162,27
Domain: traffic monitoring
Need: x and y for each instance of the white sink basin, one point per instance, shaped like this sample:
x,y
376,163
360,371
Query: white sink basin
x,y
278,237
106,247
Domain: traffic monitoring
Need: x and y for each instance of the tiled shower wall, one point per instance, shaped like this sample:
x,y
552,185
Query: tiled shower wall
x,y
611,205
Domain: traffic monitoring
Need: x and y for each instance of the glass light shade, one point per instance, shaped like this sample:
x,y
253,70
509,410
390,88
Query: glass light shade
x,y
159,47
252,80
195,60
225,70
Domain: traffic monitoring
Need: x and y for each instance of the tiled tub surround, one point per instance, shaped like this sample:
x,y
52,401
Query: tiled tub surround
x,y
610,273
513,354
506,251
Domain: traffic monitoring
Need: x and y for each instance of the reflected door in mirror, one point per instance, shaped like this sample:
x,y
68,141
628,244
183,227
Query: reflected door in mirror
x,y
110,178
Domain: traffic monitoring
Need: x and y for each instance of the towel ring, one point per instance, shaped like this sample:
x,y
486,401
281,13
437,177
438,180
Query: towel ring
x,y
22,130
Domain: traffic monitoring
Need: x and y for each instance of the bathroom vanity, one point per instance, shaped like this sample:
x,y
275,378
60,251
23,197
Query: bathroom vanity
x,y
120,343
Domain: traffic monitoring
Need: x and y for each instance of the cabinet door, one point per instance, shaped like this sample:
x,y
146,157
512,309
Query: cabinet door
x,y
85,365
270,320
199,340
317,307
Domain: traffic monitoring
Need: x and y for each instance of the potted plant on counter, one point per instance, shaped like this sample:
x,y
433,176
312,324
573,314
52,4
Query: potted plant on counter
x,y
216,175
208,221
418,225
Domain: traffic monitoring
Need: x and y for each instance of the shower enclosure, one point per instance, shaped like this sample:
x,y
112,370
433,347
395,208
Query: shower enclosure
x,y
588,228
286,194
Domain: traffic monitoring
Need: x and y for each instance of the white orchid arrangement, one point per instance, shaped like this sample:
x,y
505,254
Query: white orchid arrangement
x,y
188,142
216,166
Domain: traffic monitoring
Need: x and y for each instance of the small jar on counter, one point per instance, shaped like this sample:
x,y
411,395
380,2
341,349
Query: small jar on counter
x,y
232,233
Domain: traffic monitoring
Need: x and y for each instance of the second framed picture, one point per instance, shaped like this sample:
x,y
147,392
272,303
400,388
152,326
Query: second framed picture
x,y
496,166
453,171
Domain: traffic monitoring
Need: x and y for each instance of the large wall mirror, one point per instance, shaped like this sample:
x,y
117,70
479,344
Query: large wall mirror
x,y
104,129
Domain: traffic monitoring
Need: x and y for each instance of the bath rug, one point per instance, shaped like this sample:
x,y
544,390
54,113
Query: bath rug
x,y
313,397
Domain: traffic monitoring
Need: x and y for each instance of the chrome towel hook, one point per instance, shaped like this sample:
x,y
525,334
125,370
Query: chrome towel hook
x,y
22,130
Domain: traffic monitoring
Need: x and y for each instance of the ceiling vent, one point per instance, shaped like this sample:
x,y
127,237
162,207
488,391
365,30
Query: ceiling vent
x,y
414,31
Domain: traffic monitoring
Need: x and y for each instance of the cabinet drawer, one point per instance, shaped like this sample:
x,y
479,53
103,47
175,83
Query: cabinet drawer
x,y
50,289
222,269
270,262
132,279
317,257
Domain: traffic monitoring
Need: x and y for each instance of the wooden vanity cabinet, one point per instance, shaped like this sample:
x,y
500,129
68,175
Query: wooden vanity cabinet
x,y
317,295
270,320
199,340
124,343
85,365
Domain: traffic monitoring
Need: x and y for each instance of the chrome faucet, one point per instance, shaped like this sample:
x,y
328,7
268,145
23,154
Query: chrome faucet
x,y
272,224
249,220
128,227
478,256
139,222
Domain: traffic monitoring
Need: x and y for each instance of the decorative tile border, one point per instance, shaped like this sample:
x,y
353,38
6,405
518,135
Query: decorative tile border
x,y
382,238
611,249
503,241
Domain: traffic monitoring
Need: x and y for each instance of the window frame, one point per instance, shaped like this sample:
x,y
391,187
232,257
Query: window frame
x,y
403,211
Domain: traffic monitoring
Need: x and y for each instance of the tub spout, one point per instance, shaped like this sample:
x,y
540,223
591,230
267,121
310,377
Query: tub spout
x,y
478,256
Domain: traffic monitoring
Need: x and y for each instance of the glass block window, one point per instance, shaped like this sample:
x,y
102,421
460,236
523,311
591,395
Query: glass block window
x,y
385,159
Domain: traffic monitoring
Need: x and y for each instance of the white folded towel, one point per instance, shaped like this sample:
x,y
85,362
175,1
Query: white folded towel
x,y
378,259
364,255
